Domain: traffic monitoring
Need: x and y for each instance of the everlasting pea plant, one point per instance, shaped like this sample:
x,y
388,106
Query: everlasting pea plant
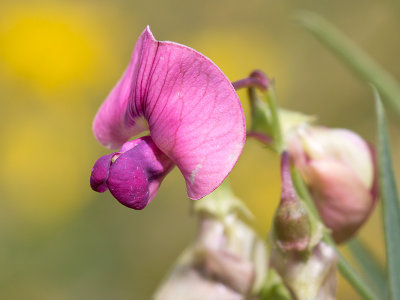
x,y
193,119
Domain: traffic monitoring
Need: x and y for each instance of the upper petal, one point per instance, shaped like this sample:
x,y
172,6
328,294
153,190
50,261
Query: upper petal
x,y
195,116
111,126
192,110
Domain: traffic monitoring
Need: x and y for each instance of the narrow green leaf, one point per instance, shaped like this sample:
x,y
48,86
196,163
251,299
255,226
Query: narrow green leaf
x,y
354,279
370,267
303,193
390,202
353,56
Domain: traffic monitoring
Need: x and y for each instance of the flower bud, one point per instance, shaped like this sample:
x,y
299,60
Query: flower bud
x,y
222,259
338,168
227,261
313,277
291,223
186,282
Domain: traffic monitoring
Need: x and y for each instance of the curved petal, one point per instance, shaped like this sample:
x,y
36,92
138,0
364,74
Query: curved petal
x,y
342,199
192,110
110,125
135,176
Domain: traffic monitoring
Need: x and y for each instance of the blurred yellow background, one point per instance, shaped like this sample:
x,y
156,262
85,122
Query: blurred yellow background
x,y
58,61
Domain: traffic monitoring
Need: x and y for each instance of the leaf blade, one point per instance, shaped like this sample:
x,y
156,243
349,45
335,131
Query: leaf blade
x,y
355,279
390,202
370,267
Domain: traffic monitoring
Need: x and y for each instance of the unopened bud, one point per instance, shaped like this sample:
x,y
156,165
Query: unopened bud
x,y
229,268
228,261
338,168
313,277
291,224
186,282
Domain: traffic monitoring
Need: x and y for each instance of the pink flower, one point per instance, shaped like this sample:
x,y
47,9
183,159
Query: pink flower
x,y
338,167
192,112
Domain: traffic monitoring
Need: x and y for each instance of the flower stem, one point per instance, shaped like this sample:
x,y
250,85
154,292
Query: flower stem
x,y
302,190
261,137
257,79
276,124
288,190
354,279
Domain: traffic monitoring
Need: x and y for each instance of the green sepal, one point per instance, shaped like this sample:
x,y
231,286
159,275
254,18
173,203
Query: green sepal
x,y
221,203
274,288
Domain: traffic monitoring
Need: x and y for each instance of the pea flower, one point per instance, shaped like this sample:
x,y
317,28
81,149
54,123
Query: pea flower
x,y
338,167
193,115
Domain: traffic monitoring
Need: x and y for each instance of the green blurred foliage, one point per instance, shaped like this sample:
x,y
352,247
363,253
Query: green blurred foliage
x,y
58,61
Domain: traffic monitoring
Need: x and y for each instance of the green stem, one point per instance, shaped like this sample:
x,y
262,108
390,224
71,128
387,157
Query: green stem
x,y
353,56
354,279
276,124
370,266
302,190
344,267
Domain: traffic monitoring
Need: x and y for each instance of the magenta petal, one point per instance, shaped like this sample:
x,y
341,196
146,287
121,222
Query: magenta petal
x,y
194,115
100,173
192,110
136,175
110,125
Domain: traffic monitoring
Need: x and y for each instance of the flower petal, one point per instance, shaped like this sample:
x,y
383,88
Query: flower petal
x,y
100,172
342,199
110,125
192,110
135,176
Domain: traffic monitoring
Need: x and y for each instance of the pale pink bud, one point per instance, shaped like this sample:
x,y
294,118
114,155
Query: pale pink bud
x,y
338,167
